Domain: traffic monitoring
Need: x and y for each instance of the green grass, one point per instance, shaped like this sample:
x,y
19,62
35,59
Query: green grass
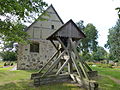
x,y
2,63
107,84
108,71
25,85
8,76
20,80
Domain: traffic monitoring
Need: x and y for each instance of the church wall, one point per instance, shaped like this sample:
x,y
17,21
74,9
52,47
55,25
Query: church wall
x,y
38,32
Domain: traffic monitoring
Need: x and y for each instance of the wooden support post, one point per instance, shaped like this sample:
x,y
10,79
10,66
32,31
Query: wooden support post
x,y
54,44
73,77
61,43
76,66
62,67
49,60
70,67
54,64
76,44
88,84
84,71
78,57
87,66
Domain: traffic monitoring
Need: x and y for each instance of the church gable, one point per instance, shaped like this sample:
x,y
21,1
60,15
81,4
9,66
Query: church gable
x,y
42,29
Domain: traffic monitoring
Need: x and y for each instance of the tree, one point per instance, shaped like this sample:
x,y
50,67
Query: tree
x,y
80,24
13,13
89,44
113,42
8,56
100,54
118,9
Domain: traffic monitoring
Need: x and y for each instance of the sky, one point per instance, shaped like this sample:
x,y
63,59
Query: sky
x,y
101,13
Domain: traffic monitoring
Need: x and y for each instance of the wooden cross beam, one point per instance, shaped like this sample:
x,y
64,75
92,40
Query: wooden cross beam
x,y
49,60
76,66
78,57
62,44
54,64
54,44
66,62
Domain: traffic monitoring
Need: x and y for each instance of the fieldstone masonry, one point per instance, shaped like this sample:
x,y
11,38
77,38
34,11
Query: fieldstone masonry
x,y
31,60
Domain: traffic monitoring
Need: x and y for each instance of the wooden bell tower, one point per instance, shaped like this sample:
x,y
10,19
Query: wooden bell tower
x,y
66,65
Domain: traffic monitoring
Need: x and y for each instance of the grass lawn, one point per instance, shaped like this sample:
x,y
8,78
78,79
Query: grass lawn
x,y
108,71
20,80
105,83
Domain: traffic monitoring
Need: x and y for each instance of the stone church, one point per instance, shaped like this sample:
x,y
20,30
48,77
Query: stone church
x,y
35,54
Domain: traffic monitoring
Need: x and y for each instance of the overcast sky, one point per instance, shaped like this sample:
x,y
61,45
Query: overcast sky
x,y
101,13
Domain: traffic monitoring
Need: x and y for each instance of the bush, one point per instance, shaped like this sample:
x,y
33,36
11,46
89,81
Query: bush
x,y
11,64
8,56
8,63
5,64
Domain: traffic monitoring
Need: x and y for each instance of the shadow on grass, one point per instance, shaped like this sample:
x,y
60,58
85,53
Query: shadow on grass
x,y
27,85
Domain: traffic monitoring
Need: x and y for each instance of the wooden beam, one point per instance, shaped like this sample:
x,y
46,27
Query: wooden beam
x,y
70,66
83,68
77,43
73,77
76,66
84,71
55,79
54,44
87,66
78,57
62,67
49,60
88,84
61,43
54,64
